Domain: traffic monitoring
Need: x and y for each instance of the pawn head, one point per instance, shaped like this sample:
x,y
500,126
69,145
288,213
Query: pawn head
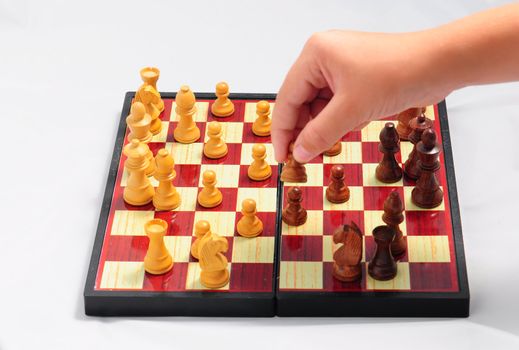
x,y
202,227
262,107
294,193
209,176
249,205
222,88
337,171
258,150
134,143
138,110
214,128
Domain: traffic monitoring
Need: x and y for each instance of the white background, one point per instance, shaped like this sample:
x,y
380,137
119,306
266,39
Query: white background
x,y
64,69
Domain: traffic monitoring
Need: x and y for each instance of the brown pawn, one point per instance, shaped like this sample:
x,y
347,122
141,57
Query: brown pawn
x,y
334,150
388,170
382,266
293,171
346,259
337,191
393,216
294,214
427,192
404,118
418,125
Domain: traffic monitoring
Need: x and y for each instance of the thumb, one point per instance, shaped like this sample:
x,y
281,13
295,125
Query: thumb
x,y
323,131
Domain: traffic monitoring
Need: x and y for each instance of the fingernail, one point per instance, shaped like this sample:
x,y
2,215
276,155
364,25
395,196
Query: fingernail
x,y
302,155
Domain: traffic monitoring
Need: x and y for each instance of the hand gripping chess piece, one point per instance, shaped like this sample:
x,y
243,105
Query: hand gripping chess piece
x,y
334,150
202,232
294,214
259,169
222,106
186,130
138,190
249,225
404,117
139,123
388,170
418,125
293,171
261,126
212,262
337,191
210,196
346,259
393,216
149,76
427,192
382,266
158,260
166,196
215,147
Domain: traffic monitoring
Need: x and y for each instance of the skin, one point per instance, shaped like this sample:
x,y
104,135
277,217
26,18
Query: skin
x,y
344,79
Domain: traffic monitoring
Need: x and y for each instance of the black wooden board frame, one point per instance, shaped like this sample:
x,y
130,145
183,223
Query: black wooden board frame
x,y
268,304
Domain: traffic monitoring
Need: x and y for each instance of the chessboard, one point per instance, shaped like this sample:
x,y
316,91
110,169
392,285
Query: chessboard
x,y
285,271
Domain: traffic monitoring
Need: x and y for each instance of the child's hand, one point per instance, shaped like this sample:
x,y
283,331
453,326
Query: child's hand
x,y
342,80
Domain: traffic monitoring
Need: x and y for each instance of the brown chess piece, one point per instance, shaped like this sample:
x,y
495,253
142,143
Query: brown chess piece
x,y
337,191
334,150
418,125
427,192
388,170
382,266
393,217
404,117
293,171
294,214
346,259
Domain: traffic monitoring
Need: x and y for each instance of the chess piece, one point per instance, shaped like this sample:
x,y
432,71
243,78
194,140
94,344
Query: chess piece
x,y
294,214
202,232
382,266
261,126
158,260
427,192
337,191
222,106
212,262
393,217
334,150
139,123
210,196
346,259
149,76
388,170
249,225
166,196
138,190
259,169
293,171
404,118
186,130
215,147
418,126
149,98
150,170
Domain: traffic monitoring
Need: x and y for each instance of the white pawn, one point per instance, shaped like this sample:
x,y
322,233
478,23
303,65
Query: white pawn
x,y
215,147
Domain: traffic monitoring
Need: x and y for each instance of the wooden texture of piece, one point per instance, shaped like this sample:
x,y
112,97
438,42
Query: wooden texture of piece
x,y
210,196
427,192
382,266
335,150
294,214
388,170
347,258
418,126
249,224
293,171
139,123
337,191
393,216
215,147
202,232
259,169
150,76
404,118
166,195
212,262
138,190
222,106
261,125
158,260
186,131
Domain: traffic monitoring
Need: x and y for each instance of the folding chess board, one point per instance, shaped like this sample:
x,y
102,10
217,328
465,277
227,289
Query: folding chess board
x,y
285,271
